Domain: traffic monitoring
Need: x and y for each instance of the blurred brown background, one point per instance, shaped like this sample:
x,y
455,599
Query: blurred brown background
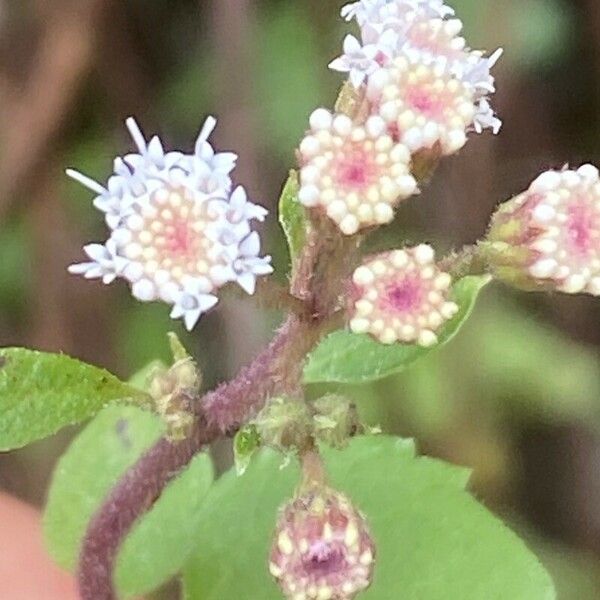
x,y
516,396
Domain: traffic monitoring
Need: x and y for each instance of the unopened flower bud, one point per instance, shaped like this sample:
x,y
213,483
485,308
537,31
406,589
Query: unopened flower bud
x,y
322,549
548,238
356,174
284,423
336,420
174,391
401,296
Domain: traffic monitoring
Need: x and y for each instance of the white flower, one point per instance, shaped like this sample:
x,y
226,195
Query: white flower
x,y
248,264
422,32
362,11
355,174
358,60
401,296
193,301
176,226
379,11
485,118
106,263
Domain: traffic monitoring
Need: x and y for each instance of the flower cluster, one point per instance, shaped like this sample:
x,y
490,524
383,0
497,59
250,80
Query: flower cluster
x,y
549,236
401,296
422,77
355,173
322,549
424,89
178,231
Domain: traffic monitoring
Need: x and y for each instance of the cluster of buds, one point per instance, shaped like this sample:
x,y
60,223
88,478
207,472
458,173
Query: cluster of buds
x,y
425,90
548,238
322,549
175,391
355,173
178,231
421,41
401,295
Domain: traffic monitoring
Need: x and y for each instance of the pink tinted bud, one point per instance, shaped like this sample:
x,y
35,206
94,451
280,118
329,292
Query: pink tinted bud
x,y
356,174
549,236
322,548
401,296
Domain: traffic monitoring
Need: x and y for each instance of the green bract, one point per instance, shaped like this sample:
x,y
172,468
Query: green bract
x,y
292,217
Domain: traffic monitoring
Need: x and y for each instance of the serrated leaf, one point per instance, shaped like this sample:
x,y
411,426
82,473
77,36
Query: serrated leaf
x,y
345,357
292,216
41,392
160,542
434,540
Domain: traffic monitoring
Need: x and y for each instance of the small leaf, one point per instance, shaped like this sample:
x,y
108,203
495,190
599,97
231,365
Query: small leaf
x,y
245,444
345,357
434,540
292,216
159,544
40,393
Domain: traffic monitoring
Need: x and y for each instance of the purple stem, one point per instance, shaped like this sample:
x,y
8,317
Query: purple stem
x,y
274,371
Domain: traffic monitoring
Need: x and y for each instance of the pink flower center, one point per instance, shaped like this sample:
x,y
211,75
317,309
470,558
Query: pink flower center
x,y
355,169
323,559
580,228
425,102
179,238
404,296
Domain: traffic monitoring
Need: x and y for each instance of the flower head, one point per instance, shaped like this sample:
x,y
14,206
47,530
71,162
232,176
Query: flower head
x,y
357,174
322,548
178,232
423,104
549,236
401,296
429,70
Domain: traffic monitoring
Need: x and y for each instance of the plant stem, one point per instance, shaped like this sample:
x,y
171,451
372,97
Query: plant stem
x,y
276,370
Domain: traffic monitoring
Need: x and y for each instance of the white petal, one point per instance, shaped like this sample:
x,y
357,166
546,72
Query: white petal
x,y
136,134
351,45
209,126
192,317
89,183
238,198
251,245
156,151
247,281
340,64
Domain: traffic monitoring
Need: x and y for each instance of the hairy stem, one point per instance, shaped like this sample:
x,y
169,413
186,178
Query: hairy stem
x,y
320,274
276,370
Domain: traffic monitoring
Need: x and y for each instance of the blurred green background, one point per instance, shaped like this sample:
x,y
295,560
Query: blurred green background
x,y
516,396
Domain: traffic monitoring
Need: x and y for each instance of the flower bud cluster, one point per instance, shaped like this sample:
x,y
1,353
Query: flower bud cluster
x,y
401,296
322,549
434,87
355,173
549,236
178,231
174,391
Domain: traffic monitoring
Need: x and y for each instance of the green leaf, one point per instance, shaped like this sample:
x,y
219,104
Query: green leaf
x,y
434,540
292,216
40,393
159,544
245,445
345,357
